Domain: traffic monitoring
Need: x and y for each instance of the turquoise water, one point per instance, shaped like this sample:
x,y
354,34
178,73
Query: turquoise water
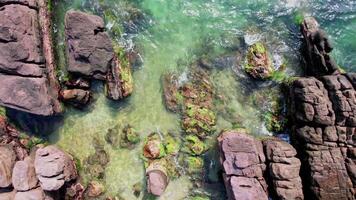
x,y
171,34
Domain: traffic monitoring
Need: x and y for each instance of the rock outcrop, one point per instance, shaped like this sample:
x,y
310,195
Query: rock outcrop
x,y
54,168
89,48
91,54
283,170
37,194
324,127
317,48
258,62
157,179
243,163
27,76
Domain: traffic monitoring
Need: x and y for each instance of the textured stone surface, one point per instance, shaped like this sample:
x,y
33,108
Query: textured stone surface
x,y
89,48
24,175
7,161
76,97
324,135
243,160
30,3
157,179
35,194
284,170
54,168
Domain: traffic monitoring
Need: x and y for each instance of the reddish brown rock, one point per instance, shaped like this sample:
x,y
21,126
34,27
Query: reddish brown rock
x,y
243,160
316,49
89,48
76,97
284,170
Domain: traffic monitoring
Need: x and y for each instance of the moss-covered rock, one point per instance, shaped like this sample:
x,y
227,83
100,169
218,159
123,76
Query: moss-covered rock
x,y
194,146
198,120
129,137
154,148
172,145
194,164
258,61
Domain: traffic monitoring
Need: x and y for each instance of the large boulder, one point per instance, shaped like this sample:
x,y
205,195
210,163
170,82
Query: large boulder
x,y
7,162
76,97
20,41
24,175
7,195
243,161
54,168
284,169
26,94
89,48
258,62
157,179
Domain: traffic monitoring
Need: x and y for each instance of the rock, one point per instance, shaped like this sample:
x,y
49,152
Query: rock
x,y
24,175
20,42
170,92
119,82
323,115
26,94
284,169
154,147
7,195
30,3
78,83
95,189
54,168
243,160
316,49
76,97
259,64
10,136
89,48
35,194
7,162
75,192
157,179
193,145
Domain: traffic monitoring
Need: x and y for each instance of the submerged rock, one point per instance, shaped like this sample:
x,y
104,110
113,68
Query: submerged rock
x,y
54,168
173,98
154,147
95,189
7,162
76,97
258,64
90,51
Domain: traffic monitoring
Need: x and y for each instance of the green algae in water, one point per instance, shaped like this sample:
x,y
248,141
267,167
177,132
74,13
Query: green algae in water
x,y
177,33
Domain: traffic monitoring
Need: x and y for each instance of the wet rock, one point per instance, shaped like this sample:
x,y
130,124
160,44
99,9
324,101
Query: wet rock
x,y
137,189
194,164
7,162
316,49
284,169
90,51
157,179
37,194
54,168
119,83
243,161
171,94
75,192
78,83
30,3
193,145
154,147
76,97
259,64
24,175
95,189
129,137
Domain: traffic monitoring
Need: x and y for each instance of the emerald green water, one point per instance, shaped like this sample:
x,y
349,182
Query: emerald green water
x,y
173,34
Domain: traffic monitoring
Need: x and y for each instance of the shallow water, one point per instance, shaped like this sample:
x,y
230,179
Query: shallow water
x,y
173,34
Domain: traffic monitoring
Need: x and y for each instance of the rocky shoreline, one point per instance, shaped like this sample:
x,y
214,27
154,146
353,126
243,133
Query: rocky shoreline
x,y
320,162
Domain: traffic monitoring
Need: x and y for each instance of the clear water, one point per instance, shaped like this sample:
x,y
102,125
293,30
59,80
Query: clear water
x,y
173,34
